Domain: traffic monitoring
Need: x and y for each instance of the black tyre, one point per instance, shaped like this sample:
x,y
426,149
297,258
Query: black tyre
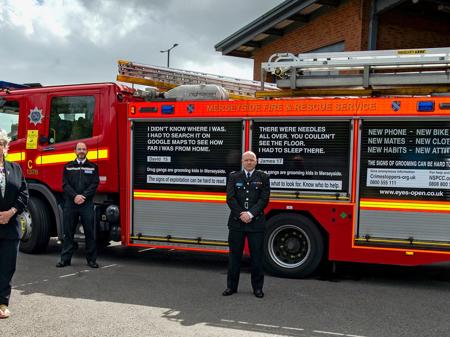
x,y
293,246
37,233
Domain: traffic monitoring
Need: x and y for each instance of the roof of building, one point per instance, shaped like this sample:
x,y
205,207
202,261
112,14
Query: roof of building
x,y
292,14
288,15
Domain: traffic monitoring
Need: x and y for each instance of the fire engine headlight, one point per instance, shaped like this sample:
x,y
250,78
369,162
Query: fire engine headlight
x,y
112,213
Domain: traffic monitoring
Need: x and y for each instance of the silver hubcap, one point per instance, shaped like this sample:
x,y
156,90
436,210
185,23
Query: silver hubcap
x,y
25,225
289,246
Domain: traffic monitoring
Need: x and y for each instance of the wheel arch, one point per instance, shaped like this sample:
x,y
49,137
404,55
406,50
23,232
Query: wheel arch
x,y
306,214
322,236
42,192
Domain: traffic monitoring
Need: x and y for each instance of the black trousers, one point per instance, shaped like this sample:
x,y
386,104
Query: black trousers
x,y
8,258
71,217
236,241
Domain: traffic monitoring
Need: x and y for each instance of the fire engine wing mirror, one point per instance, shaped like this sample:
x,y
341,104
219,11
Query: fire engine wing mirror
x,y
52,136
43,140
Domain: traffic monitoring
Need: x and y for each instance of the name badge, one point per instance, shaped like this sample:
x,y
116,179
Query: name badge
x,y
239,184
88,172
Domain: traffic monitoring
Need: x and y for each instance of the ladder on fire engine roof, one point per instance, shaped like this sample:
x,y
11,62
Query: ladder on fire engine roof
x,y
167,78
367,73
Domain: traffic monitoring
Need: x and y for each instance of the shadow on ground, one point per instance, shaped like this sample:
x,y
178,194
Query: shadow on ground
x,y
351,300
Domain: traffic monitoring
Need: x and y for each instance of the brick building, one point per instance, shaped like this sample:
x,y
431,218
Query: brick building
x,y
299,26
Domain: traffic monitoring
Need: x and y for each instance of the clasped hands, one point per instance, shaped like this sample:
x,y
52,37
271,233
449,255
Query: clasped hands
x,y
5,216
245,217
79,199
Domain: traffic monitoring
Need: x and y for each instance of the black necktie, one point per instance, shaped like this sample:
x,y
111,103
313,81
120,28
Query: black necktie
x,y
248,175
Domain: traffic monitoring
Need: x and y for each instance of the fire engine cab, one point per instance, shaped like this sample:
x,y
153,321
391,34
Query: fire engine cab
x,y
359,164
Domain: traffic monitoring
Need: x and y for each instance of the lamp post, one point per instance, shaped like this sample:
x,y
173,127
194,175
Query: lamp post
x,y
168,53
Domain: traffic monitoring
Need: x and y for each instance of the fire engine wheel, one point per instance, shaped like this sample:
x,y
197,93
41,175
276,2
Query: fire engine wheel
x,y
293,246
35,236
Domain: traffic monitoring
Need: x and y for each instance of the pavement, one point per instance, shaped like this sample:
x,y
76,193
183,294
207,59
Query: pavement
x,y
142,292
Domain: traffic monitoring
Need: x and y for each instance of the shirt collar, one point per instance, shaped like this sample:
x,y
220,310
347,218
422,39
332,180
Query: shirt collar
x,y
81,162
247,172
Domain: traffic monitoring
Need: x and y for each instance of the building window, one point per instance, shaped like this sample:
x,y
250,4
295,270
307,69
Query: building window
x,y
332,48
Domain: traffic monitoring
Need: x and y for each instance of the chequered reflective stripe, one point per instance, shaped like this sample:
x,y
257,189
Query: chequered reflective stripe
x,y
405,205
179,196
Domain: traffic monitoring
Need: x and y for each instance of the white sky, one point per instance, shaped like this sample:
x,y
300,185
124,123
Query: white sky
x,y
80,41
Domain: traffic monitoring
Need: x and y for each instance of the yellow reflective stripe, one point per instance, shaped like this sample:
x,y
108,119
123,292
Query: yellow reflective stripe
x,y
307,196
179,196
55,158
66,157
406,205
100,154
428,243
15,156
165,239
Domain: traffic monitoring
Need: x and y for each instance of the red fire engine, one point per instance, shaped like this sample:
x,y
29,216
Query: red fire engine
x,y
361,179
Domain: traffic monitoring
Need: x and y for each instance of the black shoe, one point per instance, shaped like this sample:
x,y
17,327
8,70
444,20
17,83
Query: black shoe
x,y
62,264
228,292
92,264
258,293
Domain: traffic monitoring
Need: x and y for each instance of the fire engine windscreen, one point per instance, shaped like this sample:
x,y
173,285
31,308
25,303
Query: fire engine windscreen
x,y
197,92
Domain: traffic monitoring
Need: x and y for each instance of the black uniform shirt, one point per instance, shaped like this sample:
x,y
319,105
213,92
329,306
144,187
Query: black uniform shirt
x,y
80,179
247,195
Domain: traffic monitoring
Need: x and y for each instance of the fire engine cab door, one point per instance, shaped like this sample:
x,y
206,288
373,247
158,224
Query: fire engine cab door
x,y
404,183
72,118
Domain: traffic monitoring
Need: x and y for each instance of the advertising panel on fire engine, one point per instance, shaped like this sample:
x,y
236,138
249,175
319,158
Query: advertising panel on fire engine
x,y
405,180
304,156
180,174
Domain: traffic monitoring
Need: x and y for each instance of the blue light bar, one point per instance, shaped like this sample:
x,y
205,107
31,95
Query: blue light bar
x,y
167,109
425,106
148,109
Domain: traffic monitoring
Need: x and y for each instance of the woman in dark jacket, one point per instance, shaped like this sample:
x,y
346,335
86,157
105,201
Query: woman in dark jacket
x,y
13,200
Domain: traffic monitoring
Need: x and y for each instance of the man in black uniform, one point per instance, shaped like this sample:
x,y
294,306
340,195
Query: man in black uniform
x,y
248,193
80,181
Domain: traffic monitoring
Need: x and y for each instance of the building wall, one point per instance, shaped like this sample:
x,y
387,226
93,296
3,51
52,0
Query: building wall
x,y
400,29
344,23
403,27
